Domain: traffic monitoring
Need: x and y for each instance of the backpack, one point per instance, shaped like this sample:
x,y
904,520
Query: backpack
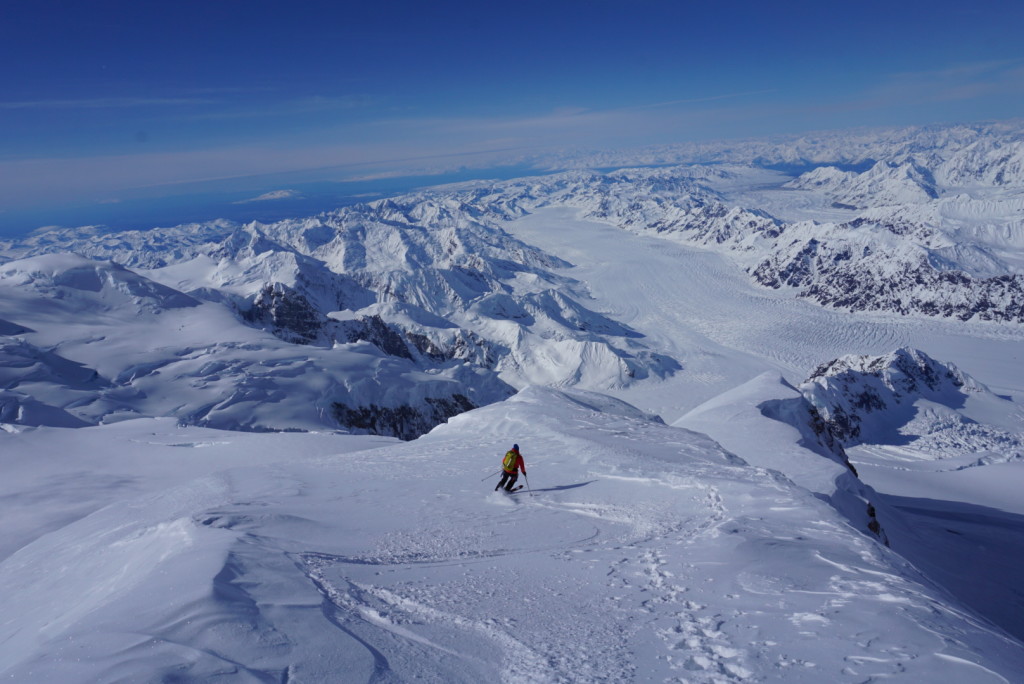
x,y
509,463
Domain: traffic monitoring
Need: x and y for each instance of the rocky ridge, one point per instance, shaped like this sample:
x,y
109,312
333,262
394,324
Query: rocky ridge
x,y
910,400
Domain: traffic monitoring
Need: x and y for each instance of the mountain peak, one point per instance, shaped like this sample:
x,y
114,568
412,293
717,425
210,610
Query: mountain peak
x,y
873,398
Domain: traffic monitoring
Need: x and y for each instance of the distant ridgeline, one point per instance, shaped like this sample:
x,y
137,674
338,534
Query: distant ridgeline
x,y
387,318
391,316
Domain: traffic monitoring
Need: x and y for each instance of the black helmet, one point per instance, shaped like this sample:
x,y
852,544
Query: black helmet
x,y
515,447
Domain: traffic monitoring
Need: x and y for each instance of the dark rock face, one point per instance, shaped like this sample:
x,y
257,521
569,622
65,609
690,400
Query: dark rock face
x,y
424,345
286,313
290,317
464,345
851,391
828,436
833,276
844,425
404,422
373,329
820,435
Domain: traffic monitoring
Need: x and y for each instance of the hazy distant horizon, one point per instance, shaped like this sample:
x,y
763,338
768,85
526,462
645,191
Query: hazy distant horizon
x,y
107,104
255,201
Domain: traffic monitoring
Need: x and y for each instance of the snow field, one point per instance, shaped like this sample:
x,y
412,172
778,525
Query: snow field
x,y
642,552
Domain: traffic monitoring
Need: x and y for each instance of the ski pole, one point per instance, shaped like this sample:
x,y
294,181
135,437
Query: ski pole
x,y
491,475
527,484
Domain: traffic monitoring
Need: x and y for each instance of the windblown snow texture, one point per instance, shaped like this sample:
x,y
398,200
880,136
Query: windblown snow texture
x,y
643,552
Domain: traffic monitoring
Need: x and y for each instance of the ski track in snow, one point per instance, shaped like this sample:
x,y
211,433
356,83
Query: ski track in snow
x,y
563,637
641,552
593,601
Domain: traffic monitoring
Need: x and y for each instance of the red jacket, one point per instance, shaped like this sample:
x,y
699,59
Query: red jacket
x,y
519,464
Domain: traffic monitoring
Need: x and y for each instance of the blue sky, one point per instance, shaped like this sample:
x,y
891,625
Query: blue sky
x,y
104,101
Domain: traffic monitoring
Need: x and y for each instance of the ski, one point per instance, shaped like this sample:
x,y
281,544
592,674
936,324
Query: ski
x,y
514,489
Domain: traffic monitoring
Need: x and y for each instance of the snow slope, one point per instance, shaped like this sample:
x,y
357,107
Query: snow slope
x,y
770,424
642,552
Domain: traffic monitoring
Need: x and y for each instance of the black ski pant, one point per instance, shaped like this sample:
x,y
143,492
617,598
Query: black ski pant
x,y
510,477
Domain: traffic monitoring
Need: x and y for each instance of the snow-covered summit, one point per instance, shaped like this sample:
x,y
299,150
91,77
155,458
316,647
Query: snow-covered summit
x,y
884,184
958,154
903,372
991,161
94,286
821,177
908,398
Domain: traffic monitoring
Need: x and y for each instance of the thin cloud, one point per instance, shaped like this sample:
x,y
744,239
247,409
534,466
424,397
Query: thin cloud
x,y
563,117
392,147
699,100
107,103
29,180
299,106
401,147
964,81
960,82
573,126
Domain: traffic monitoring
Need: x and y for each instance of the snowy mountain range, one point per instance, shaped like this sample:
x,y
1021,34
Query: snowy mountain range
x,y
982,154
415,311
768,394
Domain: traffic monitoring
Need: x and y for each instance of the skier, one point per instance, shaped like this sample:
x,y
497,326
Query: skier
x,y
511,465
